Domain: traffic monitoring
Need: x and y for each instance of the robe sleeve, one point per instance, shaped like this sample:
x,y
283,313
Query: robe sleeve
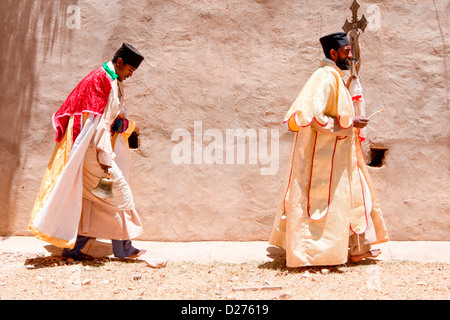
x,y
311,102
320,100
103,135
102,140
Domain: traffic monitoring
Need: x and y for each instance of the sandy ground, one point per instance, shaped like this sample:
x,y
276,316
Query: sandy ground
x,y
25,276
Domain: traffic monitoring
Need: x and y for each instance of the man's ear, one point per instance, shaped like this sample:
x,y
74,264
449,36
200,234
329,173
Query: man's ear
x,y
119,62
333,54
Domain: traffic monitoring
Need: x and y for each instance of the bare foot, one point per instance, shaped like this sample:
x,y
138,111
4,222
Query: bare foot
x,y
369,254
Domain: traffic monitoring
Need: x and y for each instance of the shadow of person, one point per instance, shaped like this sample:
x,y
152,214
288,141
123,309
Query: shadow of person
x,y
278,263
100,250
42,262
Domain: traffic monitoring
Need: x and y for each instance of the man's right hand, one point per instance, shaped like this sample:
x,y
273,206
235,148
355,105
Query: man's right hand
x,y
360,122
105,168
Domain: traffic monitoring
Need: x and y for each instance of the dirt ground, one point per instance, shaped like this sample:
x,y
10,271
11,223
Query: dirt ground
x,y
25,276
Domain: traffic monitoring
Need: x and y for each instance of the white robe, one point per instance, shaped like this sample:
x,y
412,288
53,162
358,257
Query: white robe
x,y
327,195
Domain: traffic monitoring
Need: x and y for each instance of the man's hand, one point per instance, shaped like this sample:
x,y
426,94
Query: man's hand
x,y
360,122
105,168
350,81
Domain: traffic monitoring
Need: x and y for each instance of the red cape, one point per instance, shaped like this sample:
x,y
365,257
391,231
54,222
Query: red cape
x,y
90,95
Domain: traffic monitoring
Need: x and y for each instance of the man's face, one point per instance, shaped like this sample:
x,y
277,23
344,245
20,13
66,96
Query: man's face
x,y
123,70
342,57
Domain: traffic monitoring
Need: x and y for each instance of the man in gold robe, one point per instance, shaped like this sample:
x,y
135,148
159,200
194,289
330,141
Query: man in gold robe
x,y
92,131
328,202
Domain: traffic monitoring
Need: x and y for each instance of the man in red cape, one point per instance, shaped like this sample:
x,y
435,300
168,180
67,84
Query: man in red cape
x,y
92,133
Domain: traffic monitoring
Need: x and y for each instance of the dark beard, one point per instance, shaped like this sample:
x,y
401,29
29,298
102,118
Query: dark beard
x,y
343,64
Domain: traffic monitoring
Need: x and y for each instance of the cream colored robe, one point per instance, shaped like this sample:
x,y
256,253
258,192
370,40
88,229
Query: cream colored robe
x,y
65,206
328,195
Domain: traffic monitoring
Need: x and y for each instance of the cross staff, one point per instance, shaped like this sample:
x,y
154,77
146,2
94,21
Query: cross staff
x,y
355,23
352,29
354,84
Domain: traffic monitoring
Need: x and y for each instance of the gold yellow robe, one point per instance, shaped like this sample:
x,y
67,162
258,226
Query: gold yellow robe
x,y
327,195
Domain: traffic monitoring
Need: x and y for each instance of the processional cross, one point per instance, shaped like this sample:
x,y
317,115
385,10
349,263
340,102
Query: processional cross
x,y
352,29
355,23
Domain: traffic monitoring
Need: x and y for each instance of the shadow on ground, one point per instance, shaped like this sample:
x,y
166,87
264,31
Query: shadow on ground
x,y
279,263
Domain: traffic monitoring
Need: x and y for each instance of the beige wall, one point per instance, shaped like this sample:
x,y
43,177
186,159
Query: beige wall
x,y
225,65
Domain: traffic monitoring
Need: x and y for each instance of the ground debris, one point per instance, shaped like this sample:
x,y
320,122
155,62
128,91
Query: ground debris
x,y
31,276
254,288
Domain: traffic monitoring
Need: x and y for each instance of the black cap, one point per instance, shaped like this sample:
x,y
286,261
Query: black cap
x,y
333,41
129,54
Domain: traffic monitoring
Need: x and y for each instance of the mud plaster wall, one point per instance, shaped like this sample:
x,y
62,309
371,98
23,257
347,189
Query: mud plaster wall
x,y
224,65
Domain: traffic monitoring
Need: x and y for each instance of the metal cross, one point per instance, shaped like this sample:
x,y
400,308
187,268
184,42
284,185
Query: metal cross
x,y
352,29
355,23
